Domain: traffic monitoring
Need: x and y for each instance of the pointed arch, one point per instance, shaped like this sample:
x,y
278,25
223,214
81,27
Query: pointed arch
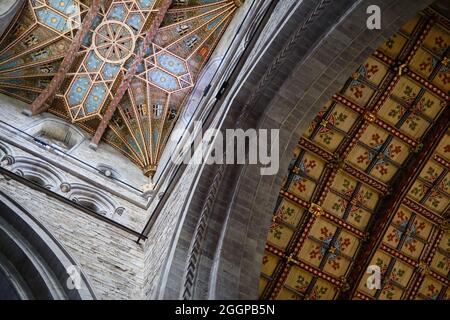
x,y
33,264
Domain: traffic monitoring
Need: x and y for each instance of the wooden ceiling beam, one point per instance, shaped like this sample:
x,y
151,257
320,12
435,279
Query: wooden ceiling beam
x,y
326,215
358,174
415,285
379,122
406,177
335,161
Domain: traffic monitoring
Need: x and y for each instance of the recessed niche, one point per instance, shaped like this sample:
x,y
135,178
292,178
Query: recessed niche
x,y
57,134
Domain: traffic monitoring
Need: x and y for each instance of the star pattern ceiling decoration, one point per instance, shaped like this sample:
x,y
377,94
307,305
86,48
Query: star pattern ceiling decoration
x,y
35,44
369,182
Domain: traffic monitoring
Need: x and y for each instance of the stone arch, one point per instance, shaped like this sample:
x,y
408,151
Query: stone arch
x,y
4,151
235,233
33,264
255,196
94,200
38,172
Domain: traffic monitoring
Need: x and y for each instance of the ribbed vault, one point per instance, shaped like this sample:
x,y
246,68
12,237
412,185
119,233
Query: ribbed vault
x,y
124,76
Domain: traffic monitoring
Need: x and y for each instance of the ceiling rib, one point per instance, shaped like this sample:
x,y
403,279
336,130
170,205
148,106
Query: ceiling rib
x,y
107,116
39,105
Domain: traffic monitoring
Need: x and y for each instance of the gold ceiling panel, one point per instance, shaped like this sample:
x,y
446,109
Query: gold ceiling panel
x,y
369,182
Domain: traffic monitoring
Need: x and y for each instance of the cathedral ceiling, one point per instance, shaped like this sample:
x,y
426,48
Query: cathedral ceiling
x,y
36,43
370,181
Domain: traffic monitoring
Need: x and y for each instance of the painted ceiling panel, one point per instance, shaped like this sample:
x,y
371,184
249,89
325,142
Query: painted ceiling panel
x,y
32,50
369,182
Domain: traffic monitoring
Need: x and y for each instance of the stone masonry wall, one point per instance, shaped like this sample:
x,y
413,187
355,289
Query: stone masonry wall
x,y
109,256
162,233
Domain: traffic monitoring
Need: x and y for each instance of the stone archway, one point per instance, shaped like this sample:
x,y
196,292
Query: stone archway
x,y
293,88
33,265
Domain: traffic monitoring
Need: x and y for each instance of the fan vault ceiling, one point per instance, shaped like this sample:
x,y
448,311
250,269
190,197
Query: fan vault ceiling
x,y
34,46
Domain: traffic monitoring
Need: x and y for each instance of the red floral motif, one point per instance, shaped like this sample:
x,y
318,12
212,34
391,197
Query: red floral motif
x,y
393,237
364,158
273,226
302,284
376,139
345,242
265,260
300,186
371,70
388,290
309,165
312,126
357,91
431,174
422,105
323,111
335,258
325,233
444,185
340,205
445,77
315,253
420,190
447,148
440,43
335,263
324,129
432,291
395,275
358,201
420,226
434,198
283,213
317,293
411,245
331,120
394,150
426,65
434,194
400,217
382,168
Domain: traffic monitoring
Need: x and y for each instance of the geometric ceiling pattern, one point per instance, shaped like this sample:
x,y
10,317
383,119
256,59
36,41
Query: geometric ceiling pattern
x,y
35,44
370,181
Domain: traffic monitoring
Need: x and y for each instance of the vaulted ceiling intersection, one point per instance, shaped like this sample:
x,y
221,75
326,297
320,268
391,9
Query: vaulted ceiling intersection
x,y
33,50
